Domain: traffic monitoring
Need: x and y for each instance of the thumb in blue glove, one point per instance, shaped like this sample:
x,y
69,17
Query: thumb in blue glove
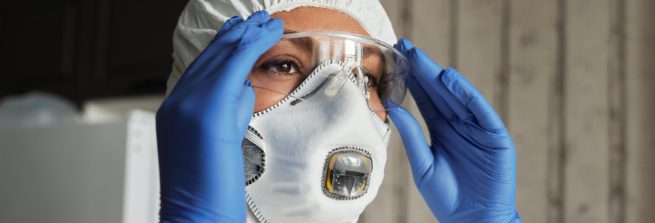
x,y
201,124
468,174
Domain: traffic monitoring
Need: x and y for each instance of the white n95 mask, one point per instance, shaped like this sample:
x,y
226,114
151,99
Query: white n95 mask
x,y
318,154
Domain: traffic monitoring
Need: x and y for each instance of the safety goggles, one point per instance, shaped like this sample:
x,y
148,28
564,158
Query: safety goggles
x,y
377,68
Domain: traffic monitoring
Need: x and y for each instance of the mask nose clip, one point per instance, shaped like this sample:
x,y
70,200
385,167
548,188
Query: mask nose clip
x,y
334,82
347,173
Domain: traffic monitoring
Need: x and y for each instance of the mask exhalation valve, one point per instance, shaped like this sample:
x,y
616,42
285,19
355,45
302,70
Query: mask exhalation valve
x,y
347,173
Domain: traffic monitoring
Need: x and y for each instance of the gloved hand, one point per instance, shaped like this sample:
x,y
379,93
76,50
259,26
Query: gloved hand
x,y
468,174
201,124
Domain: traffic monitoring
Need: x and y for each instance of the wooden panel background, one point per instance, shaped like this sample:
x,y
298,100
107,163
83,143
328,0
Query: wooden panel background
x,y
573,81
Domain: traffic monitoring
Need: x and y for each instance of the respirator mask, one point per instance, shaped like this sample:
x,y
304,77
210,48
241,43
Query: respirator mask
x,y
315,150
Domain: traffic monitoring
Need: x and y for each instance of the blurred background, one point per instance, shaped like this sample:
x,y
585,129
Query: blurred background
x,y
573,81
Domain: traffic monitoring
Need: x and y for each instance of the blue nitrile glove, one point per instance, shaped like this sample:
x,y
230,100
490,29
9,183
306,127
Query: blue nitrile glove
x,y
468,174
201,125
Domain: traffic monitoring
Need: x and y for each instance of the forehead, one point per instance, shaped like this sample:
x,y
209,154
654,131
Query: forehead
x,y
314,19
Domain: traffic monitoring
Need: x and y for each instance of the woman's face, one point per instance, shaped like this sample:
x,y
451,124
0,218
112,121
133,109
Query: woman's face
x,y
285,60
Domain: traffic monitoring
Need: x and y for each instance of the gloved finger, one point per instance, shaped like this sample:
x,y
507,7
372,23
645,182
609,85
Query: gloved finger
x,y
429,110
427,73
255,41
419,154
220,48
469,96
258,18
229,24
246,108
403,45
207,54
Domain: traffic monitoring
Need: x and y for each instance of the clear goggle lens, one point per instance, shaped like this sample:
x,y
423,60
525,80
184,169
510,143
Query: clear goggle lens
x,y
378,69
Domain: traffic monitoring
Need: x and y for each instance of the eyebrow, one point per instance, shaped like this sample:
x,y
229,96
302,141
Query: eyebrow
x,y
369,51
287,31
306,45
301,42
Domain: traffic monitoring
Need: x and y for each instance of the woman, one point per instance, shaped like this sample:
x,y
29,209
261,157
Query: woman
x,y
296,105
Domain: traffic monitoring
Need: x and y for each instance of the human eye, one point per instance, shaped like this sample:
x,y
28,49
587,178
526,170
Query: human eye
x,y
371,80
281,68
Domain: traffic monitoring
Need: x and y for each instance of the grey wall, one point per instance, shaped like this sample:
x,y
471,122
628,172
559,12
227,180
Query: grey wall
x,y
68,173
573,82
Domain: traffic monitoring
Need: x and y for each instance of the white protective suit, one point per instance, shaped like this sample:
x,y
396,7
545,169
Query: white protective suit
x,y
201,19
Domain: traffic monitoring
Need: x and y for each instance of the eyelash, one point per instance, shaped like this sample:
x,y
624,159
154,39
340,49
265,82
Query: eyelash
x,y
294,65
373,82
277,62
